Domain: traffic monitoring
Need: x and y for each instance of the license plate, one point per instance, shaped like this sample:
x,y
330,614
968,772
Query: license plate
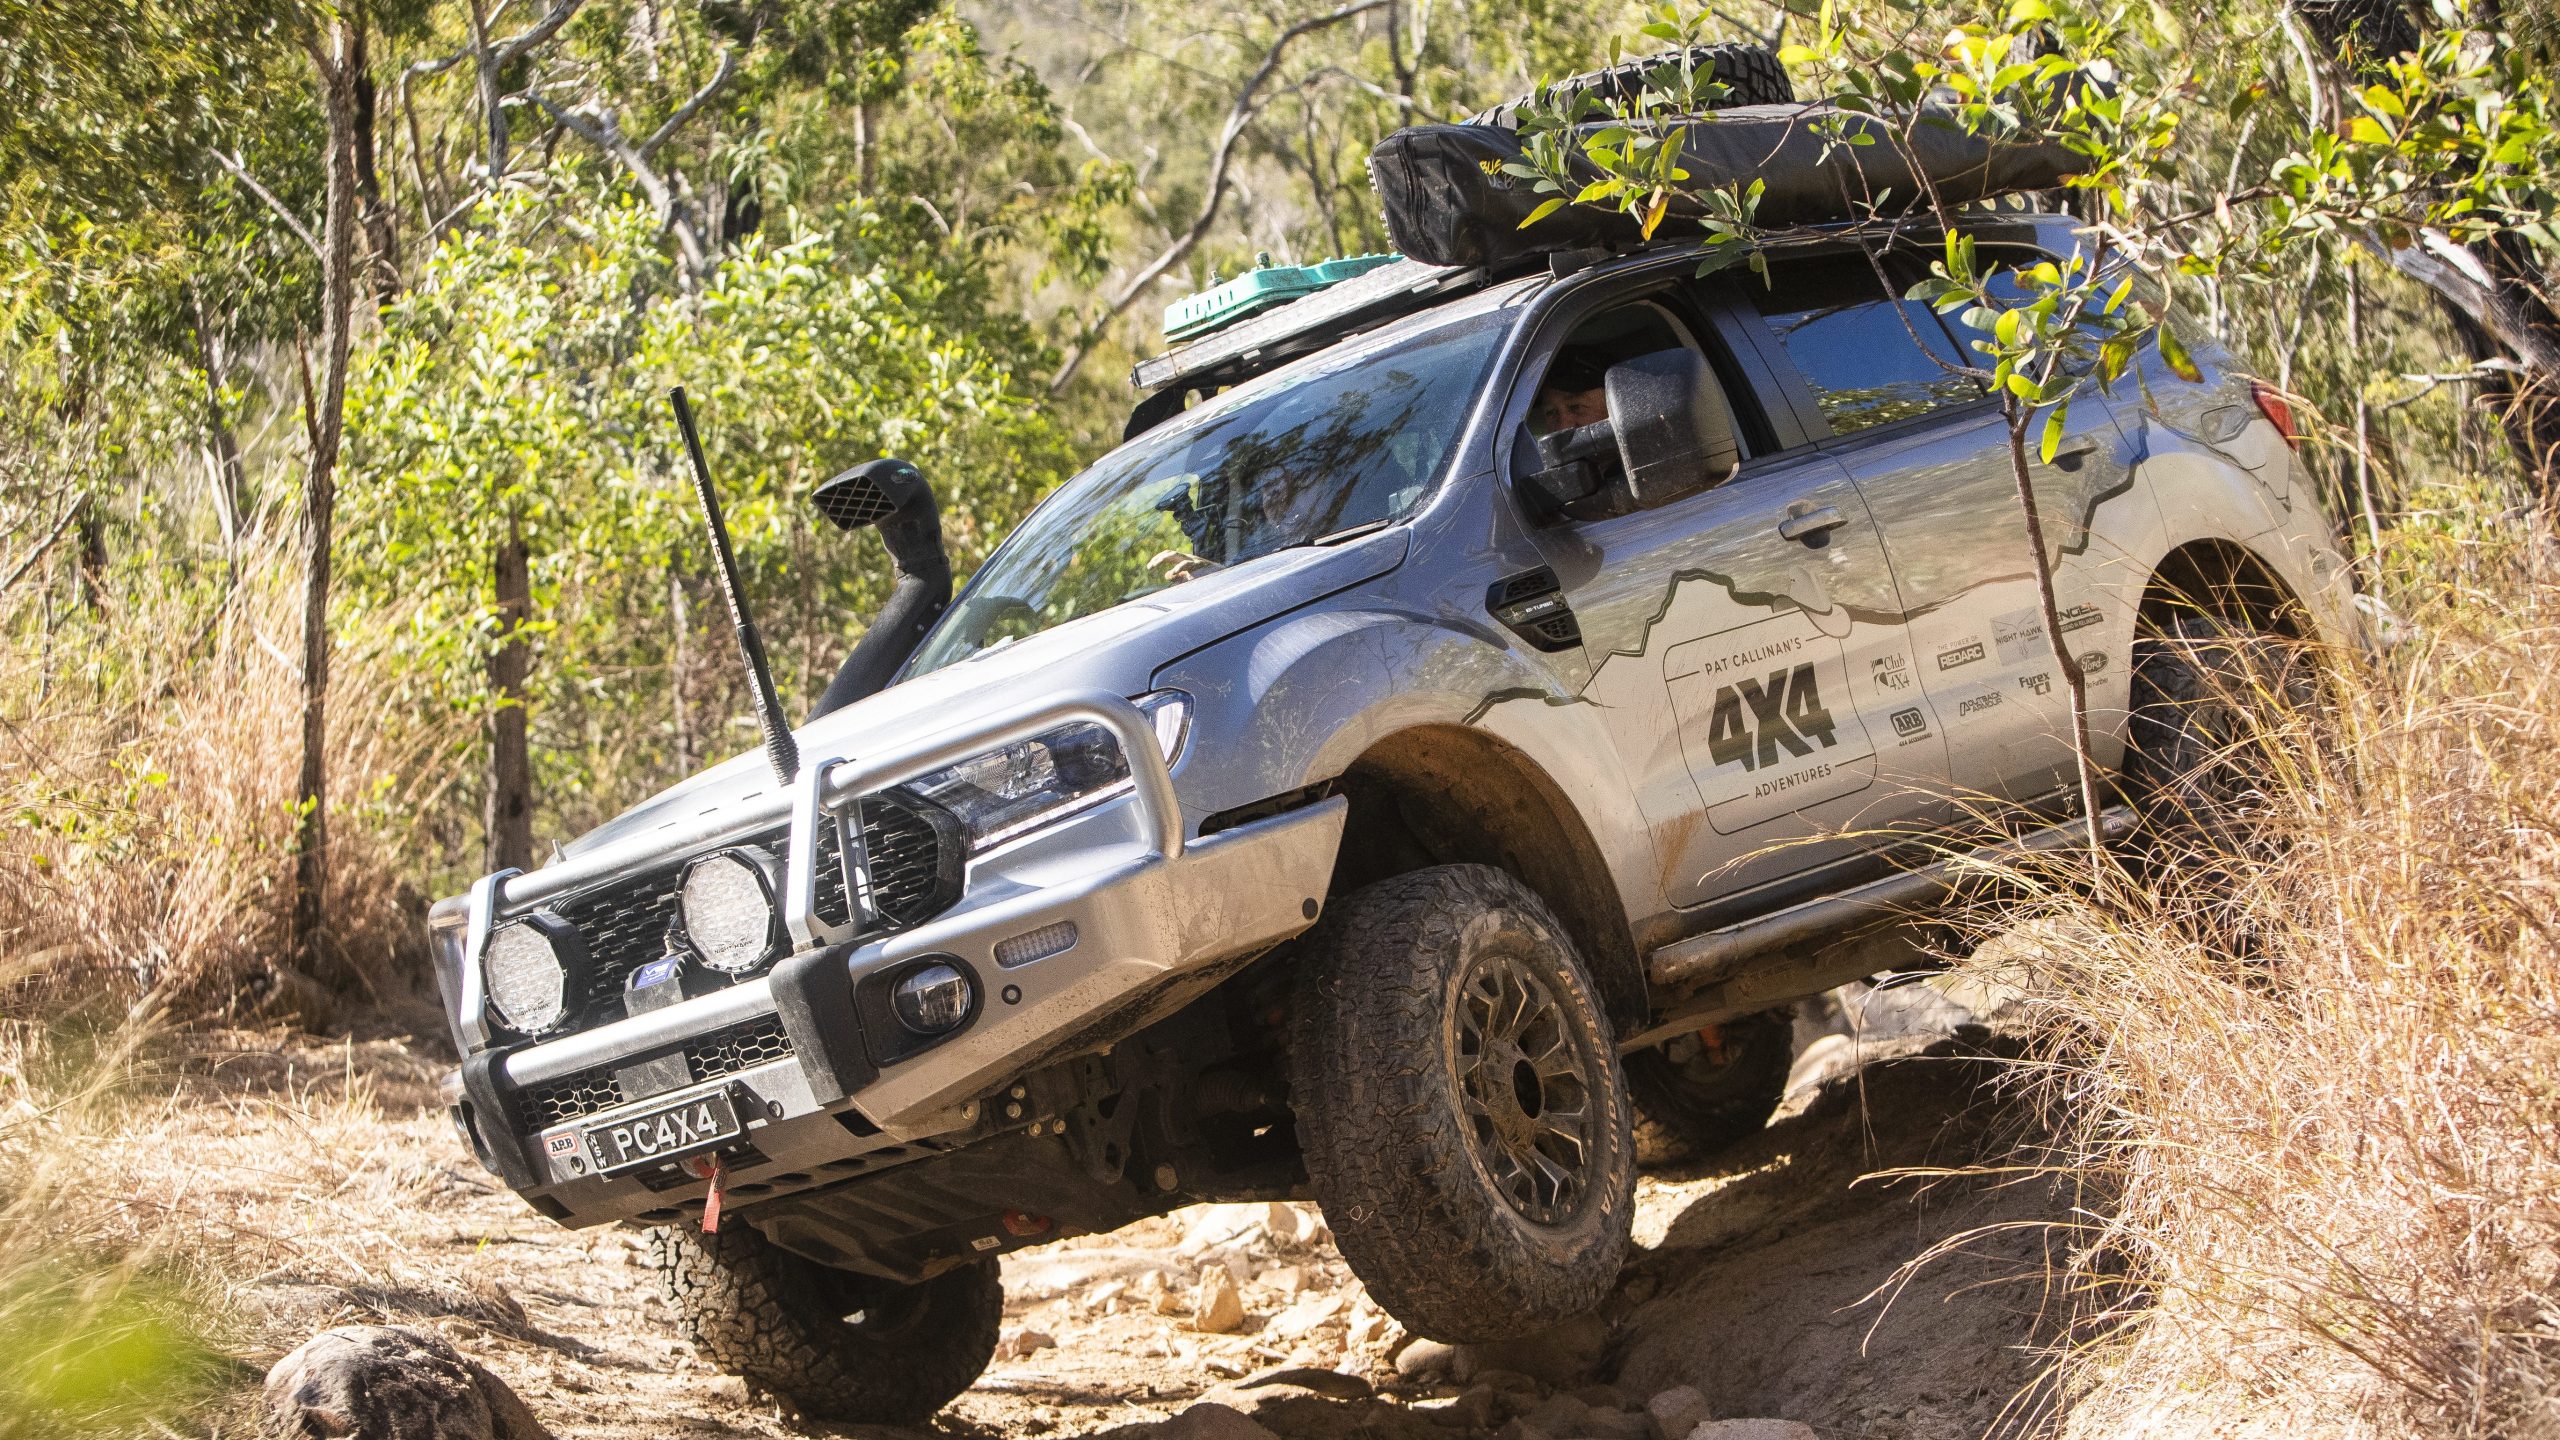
x,y
663,1133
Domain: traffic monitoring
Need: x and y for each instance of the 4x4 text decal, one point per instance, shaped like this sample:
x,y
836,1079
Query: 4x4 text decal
x,y
1767,719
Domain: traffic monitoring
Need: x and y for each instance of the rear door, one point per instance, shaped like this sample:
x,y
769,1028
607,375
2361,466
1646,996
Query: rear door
x,y
1929,452
1744,644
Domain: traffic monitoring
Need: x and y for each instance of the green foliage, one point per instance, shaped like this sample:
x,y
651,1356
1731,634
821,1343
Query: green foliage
x,y
520,387
96,1349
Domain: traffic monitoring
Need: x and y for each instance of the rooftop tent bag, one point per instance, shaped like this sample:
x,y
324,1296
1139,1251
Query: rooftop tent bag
x,y
1448,201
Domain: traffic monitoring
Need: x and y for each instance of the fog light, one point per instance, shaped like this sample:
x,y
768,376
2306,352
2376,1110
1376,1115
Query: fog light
x,y
933,999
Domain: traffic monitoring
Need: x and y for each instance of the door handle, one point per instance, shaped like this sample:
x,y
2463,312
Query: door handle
x,y
1810,523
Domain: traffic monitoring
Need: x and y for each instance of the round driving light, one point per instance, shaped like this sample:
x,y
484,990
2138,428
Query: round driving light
x,y
533,969
726,901
933,999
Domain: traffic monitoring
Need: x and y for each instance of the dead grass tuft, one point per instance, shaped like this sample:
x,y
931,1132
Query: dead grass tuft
x,y
2324,1161
147,768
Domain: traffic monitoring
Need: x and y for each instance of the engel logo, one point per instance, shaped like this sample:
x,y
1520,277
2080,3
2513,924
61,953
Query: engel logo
x,y
1754,720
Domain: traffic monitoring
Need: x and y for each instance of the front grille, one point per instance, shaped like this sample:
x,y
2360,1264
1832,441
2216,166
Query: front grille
x,y
742,1046
916,855
573,1098
724,1051
625,926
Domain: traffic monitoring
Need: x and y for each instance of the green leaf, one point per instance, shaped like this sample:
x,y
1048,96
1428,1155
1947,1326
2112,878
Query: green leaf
x,y
2174,352
2053,425
2382,100
2365,130
1543,211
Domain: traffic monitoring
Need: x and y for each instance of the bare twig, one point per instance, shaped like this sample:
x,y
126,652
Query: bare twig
x,y
1239,117
250,183
728,67
61,526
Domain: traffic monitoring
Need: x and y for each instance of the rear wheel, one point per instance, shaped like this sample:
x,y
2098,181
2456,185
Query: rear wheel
x,y
838,1345
1460,1105
2218,732
1703,1092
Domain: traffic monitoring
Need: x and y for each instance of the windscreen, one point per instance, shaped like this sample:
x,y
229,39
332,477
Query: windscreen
x,y
1340,441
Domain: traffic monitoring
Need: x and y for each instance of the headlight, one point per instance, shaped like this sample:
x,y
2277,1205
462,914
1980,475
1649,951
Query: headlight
x,y
1045,779
726,902
533,969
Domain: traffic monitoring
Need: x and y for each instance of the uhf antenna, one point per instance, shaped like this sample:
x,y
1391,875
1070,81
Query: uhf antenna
x,y
779,747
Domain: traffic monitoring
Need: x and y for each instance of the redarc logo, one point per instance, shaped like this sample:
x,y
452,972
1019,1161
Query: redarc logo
x,y
1753,720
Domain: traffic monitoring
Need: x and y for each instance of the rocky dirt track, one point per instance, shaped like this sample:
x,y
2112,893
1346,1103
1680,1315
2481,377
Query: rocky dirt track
x,y
1767,1285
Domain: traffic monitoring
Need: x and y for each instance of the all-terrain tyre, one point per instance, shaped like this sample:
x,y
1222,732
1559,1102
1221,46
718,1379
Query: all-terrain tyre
x,y
2212,730
838,1345
1460,1105
1699,1093
1750,74
2224,718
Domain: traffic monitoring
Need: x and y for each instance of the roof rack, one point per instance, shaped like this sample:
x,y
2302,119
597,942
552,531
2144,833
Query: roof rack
x,y
1292,325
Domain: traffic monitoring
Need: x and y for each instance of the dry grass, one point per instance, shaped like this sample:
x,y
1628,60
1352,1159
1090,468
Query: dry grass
x,y
147,767
2324,1180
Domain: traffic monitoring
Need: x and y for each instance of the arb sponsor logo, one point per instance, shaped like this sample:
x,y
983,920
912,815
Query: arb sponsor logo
x,y
1909,723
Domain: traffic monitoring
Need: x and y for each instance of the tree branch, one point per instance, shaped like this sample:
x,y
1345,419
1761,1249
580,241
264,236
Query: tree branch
x,y
249,182
1239,116
700,98
603,132
507,52
18,572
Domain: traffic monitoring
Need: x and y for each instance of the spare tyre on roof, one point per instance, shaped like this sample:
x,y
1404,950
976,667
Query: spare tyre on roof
x,y
1450,202
1750,74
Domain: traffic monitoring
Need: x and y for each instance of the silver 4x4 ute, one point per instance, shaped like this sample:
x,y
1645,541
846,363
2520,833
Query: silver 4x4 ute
x,y
1461,711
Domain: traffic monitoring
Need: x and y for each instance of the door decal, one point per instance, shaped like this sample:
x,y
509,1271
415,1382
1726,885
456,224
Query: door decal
x,y
1767,721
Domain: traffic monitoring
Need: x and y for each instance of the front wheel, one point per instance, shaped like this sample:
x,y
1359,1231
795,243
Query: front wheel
x,y
1460,1104
838,1345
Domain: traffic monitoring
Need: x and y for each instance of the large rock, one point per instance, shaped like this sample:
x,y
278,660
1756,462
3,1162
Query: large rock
x,y
382,1382
1217,1306
1677,1411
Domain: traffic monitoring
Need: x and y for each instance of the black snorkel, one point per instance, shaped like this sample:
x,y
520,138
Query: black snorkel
x,y
893,497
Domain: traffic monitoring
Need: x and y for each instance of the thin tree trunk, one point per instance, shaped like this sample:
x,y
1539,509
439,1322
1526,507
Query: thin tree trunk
x,y
510,812
333,59
222,467
381,221
2073,679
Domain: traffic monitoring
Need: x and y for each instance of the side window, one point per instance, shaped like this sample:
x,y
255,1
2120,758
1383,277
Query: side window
x,y
1573,394
2008,292
1870,357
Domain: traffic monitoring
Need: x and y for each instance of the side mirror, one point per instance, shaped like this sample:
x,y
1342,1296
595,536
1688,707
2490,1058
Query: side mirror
x,y
1675,432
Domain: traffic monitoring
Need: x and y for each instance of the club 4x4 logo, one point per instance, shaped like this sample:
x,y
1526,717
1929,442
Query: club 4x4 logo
x,y
1767,720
